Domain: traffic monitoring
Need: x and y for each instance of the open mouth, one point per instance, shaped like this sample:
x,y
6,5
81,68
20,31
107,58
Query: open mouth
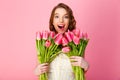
x,y
61,26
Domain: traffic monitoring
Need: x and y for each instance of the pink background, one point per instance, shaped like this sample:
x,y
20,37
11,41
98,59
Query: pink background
x,y
20,19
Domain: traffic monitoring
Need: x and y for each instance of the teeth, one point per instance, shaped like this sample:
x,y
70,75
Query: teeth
x,y
60,26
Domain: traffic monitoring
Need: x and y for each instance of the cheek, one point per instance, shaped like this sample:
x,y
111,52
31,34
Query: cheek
x,y
55,25
55,22
67,22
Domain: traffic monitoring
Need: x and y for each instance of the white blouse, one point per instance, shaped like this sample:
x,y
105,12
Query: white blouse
x,y
61,68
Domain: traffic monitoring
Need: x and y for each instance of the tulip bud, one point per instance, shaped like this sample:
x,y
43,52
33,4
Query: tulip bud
x,y
85,36
64,41
76,40
76,32
81,35
65,49
72,34
38,35
67,35
52,34
58,39
47,43
45,35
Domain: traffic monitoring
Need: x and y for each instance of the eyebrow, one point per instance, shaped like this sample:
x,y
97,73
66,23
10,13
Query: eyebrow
x,y
55,13
58,13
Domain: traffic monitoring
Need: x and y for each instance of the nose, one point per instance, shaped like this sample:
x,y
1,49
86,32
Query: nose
x,y
61,20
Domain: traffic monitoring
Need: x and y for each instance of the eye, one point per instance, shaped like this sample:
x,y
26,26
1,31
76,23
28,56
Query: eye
x,y
56,16
66,16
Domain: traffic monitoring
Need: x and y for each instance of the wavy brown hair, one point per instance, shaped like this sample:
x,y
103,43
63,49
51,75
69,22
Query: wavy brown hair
x,y
72,22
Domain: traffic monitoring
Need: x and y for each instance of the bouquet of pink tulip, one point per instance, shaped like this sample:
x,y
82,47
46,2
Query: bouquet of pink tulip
x,y
75,44
48,47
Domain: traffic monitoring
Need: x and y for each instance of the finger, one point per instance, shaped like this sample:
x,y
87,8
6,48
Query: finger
x,y
44,67
73,60
44,70
77,57
72,57
75,64
40,65
44,64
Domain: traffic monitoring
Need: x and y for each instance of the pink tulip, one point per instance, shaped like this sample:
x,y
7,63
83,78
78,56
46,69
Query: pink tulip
x,y
67,35
45,35
64,41
47,43
52,34
85,36
57,35
72,34
65,49
58,39
81,35
38,35
76,32
76,40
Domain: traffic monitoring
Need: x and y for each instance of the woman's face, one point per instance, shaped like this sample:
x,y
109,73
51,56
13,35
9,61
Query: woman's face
x,y
61,20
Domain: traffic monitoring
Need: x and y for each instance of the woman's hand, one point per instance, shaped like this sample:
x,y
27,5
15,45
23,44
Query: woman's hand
x,y
79,61
41,68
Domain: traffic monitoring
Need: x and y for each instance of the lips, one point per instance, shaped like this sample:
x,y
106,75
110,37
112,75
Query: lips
x,y
61,26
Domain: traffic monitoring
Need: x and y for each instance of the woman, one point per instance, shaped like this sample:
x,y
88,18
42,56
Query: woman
x,y
60,68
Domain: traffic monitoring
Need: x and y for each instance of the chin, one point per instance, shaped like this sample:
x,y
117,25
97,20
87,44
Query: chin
x,y
61,31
